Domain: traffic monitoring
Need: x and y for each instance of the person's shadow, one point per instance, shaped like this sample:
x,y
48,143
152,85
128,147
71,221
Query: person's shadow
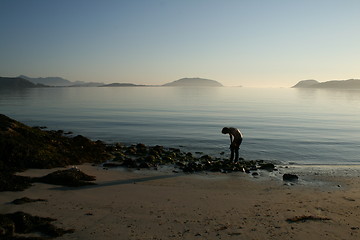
x,y
119,182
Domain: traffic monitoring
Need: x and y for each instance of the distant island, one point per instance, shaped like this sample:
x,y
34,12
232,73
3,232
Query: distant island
x,y
50,81
193,82
23,81
17,83
184,82
333,84
59,82
121,85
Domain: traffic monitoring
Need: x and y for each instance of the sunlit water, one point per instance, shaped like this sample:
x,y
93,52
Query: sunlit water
x,y
303,126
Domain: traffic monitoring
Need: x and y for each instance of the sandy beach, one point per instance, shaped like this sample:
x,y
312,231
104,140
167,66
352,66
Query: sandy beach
x,y
150,204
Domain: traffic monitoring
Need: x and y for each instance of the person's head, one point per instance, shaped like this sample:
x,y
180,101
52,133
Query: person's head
x,y
225,130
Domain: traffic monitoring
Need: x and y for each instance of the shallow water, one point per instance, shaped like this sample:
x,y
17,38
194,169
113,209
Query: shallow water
x,y
303,126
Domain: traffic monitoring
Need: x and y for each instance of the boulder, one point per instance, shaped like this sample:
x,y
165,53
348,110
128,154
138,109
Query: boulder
x,y
72,177
290,177
267,166
23,223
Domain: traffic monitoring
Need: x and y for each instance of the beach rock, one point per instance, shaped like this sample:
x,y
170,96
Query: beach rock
x,y
206,158
72,177
129,162
290,177
151,158
111,165
7,227
141,149
10,182
192,167
119,158
23,223
23,147
253,168
131,150
144,164
267,166
175,150
168,159
26,200
156,150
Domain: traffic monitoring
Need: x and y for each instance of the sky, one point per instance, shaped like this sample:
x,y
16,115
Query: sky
x,y
252,43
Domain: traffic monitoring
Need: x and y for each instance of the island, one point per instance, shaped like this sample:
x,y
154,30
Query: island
x,y
121,85
17,83
193,82
59,82
333,84
50,81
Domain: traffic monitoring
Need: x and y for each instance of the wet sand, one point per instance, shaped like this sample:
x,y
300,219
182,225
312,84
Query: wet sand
x,y
165,205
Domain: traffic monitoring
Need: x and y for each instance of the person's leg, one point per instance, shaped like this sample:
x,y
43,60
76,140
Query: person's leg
x,y
236,155
232,153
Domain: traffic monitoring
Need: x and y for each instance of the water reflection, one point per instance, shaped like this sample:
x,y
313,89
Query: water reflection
x,y
329,94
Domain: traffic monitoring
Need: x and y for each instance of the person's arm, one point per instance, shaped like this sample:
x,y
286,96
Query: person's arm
x,y
231,138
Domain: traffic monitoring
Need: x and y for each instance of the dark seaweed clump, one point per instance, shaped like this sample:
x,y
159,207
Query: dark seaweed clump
x,y
10,182
25,200
23,223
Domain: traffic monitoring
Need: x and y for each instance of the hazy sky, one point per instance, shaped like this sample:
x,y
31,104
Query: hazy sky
x,y
236,42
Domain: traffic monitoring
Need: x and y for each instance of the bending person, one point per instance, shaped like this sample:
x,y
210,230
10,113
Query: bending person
x,y
235,141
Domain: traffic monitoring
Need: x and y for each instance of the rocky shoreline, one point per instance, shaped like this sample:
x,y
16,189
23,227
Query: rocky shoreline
x,y
23,147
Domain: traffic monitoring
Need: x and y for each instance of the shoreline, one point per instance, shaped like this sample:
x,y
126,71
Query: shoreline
x,y
148,204
165,193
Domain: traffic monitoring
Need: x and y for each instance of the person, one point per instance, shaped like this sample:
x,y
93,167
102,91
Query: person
x,y
235,141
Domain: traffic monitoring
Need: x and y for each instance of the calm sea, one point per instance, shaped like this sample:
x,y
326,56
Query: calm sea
x,y
303,126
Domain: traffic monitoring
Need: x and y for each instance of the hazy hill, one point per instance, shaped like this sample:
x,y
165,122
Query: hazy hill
x,y
193,82
121,85
335,84
60,82
17,83
306,84
87,84
50,81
